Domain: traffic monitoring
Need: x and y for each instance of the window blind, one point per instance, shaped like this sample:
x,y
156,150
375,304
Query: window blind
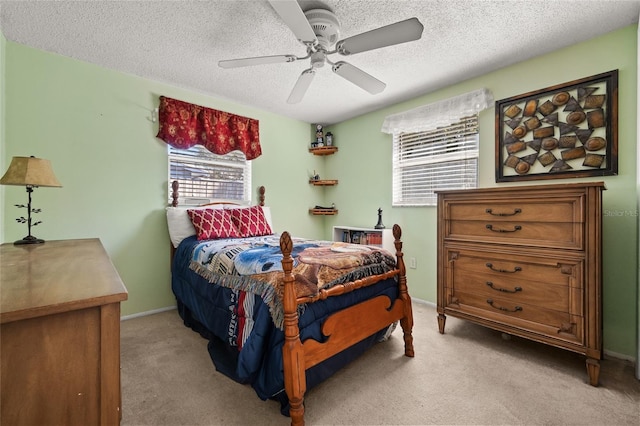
x,y
440,159
204,176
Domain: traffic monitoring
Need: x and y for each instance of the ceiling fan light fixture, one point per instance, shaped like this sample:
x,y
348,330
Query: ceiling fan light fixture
x,y
318,59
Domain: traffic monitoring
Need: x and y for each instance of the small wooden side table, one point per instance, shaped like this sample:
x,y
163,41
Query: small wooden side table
x,y
59,334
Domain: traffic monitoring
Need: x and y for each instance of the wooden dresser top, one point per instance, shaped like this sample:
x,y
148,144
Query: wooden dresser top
x,y
54,277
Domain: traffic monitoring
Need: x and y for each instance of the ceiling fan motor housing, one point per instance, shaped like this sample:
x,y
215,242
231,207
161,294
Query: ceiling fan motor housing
x,y
325,25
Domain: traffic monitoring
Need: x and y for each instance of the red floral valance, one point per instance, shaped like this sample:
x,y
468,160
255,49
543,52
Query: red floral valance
x,y
183,125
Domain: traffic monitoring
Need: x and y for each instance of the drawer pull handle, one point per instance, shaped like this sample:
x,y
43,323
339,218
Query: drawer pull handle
x,y
504,290
490,266
515,228
516,309
515,212
566,327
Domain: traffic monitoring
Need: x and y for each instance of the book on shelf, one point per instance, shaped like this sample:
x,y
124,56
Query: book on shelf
x,y
364,237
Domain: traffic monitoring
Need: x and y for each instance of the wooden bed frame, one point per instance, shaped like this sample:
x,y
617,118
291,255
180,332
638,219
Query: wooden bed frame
x,y
343,328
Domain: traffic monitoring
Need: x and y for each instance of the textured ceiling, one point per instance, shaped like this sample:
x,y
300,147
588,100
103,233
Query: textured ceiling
x,y
181,42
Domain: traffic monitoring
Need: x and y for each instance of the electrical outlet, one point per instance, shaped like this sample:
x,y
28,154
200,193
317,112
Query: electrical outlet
x,y
412,263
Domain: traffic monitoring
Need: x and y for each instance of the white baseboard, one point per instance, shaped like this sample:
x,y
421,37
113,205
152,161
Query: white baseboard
x,y
610,354
144,314
423,302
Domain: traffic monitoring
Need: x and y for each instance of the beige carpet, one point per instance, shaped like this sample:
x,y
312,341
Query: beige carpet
x,y
469,376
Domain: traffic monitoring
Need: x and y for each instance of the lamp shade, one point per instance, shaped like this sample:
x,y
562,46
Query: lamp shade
x,y
30,171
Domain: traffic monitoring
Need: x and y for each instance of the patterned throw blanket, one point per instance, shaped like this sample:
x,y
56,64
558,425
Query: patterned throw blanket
x,y
254,265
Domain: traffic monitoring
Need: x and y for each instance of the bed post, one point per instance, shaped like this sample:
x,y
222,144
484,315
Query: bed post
x,y
174,203
174,193
261,196
295,383
407,320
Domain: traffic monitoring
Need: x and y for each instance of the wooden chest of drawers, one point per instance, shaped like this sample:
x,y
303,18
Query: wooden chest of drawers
x,y
525,260
59,334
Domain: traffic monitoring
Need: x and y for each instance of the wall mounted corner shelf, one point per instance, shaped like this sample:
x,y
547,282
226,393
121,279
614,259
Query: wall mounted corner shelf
x,y
323,182
323,212
323,150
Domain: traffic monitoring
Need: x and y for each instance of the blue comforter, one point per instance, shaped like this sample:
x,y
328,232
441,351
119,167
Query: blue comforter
x,y
245,339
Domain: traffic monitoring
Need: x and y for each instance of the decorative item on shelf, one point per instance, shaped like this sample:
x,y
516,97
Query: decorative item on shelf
x,y
324,211
333,207
319,135
379,225
329,139
31,172
355,238
316,176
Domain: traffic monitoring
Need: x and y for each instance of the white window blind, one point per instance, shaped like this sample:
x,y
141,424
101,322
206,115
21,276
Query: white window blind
x,y
440,159
204,176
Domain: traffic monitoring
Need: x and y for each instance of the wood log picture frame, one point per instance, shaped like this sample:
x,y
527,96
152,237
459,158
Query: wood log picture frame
x,y
565,131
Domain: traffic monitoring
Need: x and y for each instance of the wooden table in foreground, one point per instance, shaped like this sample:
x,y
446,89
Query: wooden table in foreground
x,y
59,334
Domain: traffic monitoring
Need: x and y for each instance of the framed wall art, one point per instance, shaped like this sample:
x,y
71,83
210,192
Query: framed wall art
x,y
564,131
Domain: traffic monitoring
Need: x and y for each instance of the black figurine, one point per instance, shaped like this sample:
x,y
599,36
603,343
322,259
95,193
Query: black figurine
x,y
379,225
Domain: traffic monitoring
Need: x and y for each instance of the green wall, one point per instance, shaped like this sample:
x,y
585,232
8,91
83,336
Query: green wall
x,y
95,126
3,43
363,167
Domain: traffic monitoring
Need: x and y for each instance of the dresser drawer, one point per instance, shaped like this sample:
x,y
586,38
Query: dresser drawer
x,y
504,264
541,234
550,288
516,219
515,290
524,210
553,324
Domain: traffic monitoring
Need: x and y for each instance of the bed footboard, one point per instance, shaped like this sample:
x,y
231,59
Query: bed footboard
x,y
366,317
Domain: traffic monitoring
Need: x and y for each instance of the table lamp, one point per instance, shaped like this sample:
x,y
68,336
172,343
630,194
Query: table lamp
x,y
30,172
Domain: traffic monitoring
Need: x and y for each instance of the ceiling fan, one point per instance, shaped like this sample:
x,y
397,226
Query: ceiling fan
x,y
318,30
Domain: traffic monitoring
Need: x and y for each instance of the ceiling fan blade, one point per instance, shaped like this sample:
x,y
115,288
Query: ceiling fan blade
x,y
303,83
258,60
359,77
400,32
292,15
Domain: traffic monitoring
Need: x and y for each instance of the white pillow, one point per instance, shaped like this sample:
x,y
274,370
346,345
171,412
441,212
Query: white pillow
x,y
179,223
267,215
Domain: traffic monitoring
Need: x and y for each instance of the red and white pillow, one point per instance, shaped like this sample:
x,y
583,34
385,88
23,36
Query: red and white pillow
x,y
179,223
250,221
213,223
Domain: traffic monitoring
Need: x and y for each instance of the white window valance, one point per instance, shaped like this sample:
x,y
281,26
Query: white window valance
x,y
438,114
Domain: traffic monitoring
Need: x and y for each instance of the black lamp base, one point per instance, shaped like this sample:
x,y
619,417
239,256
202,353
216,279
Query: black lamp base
x,y
30,239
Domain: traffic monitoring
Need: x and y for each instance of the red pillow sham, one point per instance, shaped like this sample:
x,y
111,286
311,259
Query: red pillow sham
x,y
212,224
250,221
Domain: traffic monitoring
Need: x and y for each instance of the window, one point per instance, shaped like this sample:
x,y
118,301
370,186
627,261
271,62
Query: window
x,y
204,176
440,159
